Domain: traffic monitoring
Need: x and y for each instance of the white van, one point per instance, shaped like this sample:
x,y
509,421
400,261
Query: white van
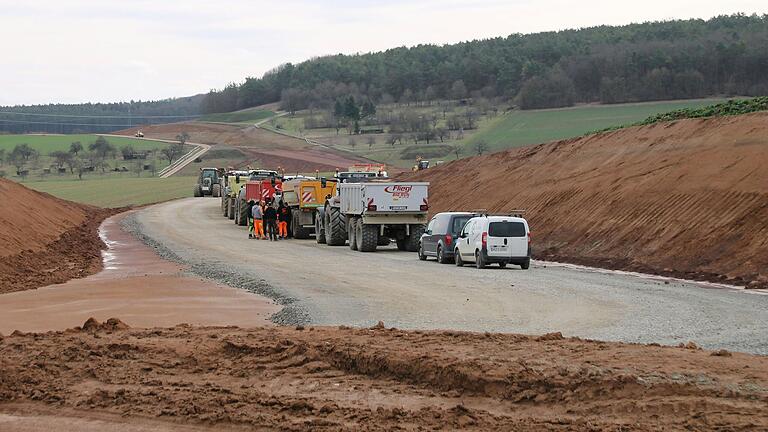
x,y
494,239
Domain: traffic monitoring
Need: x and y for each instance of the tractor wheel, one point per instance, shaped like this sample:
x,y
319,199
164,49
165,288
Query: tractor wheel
x,y
198,192
352,230
299,232
335,227
230,208
242,214
319,227
413,240
369,237
224,206
216,190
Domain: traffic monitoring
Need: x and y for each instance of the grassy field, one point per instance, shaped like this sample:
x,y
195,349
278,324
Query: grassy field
x,y
244,116
48,143
117,192
521,128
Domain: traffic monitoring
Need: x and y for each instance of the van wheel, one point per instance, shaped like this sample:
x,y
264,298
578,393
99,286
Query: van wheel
x,y
526,264
502,264
479,261
422,257
441,258
459,262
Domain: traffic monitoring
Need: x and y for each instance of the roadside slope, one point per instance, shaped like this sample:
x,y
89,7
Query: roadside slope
x,y
44,239
686,198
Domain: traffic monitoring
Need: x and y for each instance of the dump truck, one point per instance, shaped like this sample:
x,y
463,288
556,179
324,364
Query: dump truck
x,y
306,197
208,183
371,214
256,188
231,182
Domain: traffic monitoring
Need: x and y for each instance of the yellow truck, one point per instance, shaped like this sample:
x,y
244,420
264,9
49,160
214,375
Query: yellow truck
x,y
306,197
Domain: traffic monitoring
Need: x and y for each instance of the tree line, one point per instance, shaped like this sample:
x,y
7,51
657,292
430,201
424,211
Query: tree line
x,y
725,55
96,117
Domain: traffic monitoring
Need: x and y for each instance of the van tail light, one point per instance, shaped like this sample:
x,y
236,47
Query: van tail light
x,y
529,238
448,240
485,239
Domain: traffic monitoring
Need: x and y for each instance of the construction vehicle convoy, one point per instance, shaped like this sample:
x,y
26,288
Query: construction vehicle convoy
x,y
262,185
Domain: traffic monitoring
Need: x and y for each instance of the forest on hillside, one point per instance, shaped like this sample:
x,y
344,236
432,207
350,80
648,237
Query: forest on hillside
x,y
726,55
96,117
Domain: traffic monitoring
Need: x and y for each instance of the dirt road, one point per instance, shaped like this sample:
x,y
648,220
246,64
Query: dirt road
x,y
338,286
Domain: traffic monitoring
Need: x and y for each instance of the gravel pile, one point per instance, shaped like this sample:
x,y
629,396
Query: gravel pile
x,y
290,314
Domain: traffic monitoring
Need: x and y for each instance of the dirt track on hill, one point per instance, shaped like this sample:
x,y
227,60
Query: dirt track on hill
x,y
686,199
261,147
368,379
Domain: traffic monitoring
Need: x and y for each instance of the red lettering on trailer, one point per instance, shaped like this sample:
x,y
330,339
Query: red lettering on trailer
x,y
399,191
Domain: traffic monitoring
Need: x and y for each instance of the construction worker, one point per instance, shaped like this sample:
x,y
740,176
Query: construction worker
x,y
258,226
283,217
249,215
270,220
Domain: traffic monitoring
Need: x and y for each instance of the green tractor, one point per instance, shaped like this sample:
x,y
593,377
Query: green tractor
x,y
208,183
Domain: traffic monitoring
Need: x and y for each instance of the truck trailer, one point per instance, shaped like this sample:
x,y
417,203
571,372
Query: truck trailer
x,y
306,198
372,214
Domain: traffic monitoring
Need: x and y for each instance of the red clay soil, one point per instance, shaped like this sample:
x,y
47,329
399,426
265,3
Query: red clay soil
x,y
45,240
262,147
227,378
686,199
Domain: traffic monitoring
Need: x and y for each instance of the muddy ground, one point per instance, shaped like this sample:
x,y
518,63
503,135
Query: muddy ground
x,y
371,379
687,199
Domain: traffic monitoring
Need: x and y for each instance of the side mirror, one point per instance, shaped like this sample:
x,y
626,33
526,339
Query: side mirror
x,y
428,232
272,180
323,182
237,178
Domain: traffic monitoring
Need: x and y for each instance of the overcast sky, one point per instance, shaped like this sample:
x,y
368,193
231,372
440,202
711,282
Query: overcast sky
x,y
106,50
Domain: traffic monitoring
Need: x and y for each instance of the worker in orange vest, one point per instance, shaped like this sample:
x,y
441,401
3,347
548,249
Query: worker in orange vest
x,y
283,216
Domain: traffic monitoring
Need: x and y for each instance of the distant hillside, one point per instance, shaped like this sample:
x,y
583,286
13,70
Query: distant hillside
x,y
96,117
638,62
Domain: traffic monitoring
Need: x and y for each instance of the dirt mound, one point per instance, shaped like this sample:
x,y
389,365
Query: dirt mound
x,y
31,220
378,379
45,240
686,198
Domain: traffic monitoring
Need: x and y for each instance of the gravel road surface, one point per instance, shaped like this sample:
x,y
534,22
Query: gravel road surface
x,y
325,285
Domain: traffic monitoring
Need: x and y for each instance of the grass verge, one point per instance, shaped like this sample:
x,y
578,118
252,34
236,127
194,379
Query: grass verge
x,y
117,192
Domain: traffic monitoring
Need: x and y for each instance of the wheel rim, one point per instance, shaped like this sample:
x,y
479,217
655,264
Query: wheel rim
x,y
440,254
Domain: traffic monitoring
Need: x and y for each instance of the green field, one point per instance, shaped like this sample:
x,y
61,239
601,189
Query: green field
x,y
521,128
117,192
244,116
49,143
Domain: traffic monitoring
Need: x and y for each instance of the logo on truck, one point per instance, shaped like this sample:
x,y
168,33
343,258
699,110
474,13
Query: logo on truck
x,y
399,191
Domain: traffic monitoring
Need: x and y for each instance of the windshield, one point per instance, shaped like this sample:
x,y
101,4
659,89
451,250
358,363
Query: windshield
x,y
458,223
506,229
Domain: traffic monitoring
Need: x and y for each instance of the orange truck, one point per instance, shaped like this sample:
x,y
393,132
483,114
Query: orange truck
x,y
306,198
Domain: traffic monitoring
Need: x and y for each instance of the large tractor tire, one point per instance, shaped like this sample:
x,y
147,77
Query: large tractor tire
x,y
242,214
299,232
352,233
335,227
216,190
198,191
230,208
368,237
224,206
413,240
320,226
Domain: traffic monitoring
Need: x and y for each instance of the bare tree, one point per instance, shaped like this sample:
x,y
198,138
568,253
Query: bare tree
x,y
457,150
182,138
481,146
173,151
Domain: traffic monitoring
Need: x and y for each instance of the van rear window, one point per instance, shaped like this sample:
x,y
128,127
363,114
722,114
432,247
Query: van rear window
x,y
506,229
